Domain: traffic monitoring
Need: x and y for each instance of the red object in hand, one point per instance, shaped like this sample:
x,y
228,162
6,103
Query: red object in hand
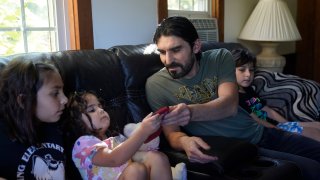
x,y
163,110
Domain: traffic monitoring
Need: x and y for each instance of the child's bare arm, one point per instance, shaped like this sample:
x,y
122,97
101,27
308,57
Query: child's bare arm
x,y
262,122
123,152
272,114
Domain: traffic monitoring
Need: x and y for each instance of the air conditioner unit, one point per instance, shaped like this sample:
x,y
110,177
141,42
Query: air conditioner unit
x,y
207,29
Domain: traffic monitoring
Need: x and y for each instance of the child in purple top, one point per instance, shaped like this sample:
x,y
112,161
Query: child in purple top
x,y
257,108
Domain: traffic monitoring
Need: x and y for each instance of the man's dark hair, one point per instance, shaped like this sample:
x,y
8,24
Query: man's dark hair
x,y
180,27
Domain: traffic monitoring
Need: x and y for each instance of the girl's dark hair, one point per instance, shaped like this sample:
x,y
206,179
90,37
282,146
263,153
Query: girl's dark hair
x,y
243,56
74,124
178,26
20,81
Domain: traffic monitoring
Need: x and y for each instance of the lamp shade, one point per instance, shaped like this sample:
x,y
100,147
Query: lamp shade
x,y
271,20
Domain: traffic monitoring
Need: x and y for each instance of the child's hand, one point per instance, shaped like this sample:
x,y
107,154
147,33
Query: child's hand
x,y
151,123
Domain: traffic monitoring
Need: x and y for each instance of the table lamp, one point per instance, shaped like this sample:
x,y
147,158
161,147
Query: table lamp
x,y
270,23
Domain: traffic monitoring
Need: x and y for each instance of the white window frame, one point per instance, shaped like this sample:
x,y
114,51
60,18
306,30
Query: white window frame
x,y
192,14
63,25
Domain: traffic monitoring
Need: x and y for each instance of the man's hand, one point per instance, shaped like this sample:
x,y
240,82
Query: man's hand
x,y
193,146
179,115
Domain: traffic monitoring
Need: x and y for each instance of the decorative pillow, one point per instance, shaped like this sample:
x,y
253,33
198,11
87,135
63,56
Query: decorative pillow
x,y
295,98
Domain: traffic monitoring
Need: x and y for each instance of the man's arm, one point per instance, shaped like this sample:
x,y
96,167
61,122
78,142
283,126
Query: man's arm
x,y
173,135
224,106
191,145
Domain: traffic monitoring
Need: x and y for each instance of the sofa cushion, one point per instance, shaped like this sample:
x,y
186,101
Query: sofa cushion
x,y
295,98
137,67
95,70
100,71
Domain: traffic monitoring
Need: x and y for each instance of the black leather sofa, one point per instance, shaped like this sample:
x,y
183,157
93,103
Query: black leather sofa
x,y
118,76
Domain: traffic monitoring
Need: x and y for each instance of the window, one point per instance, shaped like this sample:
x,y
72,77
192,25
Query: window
x,y
32,26
190,8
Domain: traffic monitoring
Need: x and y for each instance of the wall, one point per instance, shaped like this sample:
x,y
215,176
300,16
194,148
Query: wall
x,y
118,22
133,22
236,14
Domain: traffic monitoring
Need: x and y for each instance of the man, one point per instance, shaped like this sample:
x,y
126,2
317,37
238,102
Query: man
x,y
201,90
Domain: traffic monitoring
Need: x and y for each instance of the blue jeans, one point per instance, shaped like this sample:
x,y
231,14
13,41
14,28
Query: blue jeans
x,y
303,151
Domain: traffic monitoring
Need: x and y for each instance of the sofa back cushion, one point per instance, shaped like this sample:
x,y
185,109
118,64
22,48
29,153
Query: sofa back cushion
x,y
295,98
95,70
99,71
137,67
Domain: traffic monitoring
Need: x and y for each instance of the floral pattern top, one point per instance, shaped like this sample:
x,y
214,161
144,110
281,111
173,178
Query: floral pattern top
x,y
84,150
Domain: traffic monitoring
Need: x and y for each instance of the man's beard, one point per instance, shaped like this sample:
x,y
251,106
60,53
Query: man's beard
x,y
184,69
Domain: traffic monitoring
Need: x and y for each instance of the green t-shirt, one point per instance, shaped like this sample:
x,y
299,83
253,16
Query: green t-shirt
x,y
216,66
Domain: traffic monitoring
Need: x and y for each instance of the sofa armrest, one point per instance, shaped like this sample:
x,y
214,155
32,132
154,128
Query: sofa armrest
x,y
297,99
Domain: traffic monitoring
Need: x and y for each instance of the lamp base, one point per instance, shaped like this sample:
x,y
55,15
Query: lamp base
x,y
274,64
269,59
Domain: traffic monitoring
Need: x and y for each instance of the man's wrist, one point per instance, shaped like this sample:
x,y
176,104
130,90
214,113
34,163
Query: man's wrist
x,y
191,111
183,140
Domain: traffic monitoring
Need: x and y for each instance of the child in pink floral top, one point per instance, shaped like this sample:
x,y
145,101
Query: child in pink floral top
x,y
99,157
